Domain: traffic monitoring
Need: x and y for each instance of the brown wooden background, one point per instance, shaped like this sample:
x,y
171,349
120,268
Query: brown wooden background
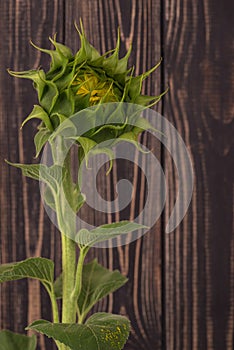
x,y
181,290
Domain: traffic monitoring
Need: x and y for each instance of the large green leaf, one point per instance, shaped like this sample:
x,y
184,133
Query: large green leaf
x,y
41,269
97,282
102,331
104,232
14,341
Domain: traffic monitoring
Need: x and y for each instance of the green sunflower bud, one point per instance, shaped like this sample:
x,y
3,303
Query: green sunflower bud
x,y
75,82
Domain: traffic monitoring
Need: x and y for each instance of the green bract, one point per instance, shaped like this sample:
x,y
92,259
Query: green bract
x,y
75,82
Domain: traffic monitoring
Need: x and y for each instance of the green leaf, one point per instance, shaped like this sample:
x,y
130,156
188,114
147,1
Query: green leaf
x,y
117,228
58,287
40,139
41,269
62,49
105,232
107,151
58,60
102,331
47,90
36,75
97,282
13,341
122,66
65,105
87,144
39,113
52,176
79,199
143,124
135,87
49,96
49,198
91,148
131,137
110,64
29,170
145,100
151,70
87,51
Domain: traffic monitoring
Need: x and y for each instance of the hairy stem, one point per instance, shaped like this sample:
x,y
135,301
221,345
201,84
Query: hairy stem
x,y
69,271
79,271
54,307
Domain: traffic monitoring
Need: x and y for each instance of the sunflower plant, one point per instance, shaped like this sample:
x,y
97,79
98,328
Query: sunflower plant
x,y
78,82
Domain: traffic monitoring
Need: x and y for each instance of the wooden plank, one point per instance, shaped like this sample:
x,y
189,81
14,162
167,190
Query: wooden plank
x,y
199,305
25,231
198,260
140,300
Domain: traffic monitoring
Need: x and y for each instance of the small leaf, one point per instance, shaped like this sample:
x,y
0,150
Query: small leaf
x,y
65,105
110,64
14,341
143,124
145,100
41,269
108,152
36,75
39,113
49,198
105,232
49,96
40,139
58,287
57,59
57,119
87,144
102,331
122,65
87,51
62,49
117,228
91,148
52,176
135,87
131,137
29,170
79,199
47,90
151,70
97,282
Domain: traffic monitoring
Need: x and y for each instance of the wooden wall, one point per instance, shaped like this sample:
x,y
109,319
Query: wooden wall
x,y
181,290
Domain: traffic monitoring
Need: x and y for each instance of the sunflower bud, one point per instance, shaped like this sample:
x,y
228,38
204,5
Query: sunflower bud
x,y
76,82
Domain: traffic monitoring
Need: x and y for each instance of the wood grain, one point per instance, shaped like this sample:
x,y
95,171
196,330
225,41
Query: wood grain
x,y
199,255
180,294
25,231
